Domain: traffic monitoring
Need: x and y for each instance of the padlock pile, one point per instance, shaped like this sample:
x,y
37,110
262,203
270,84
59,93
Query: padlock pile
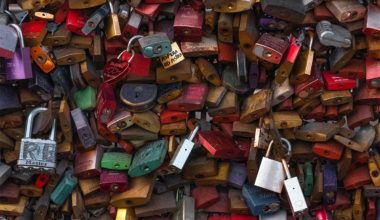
x,y
189,110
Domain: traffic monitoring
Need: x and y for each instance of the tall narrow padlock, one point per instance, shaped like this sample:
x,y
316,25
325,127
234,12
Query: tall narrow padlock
x,y
64,188
19,66
286,66
303,66
105,103
37,154
275,181
113,27
183,151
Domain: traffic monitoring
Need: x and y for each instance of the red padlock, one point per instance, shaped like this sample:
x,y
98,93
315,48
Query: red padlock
x,y
361,115
367,96
355,69
204,196
372,72
75,21
331,149
342,201
188,24
334,82
317,114
193,98
148,10
219,145
371,209
357,178
312,87
61,14
332,113
167,116
105,103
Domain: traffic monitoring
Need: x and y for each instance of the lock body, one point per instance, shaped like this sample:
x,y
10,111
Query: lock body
x,y
116,161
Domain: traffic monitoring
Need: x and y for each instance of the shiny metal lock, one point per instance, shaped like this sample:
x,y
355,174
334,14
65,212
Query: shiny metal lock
x,y
294,192
271,175
155,45
37,154
333,35
183,151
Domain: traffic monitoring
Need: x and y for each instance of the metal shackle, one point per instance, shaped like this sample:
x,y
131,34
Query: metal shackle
x,y
284,140
29,123
19,34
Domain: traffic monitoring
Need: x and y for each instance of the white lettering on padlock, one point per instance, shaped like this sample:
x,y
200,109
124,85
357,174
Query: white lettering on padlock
x,y
36,154
271,174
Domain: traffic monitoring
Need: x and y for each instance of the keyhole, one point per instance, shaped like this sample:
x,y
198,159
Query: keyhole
x,y
137,94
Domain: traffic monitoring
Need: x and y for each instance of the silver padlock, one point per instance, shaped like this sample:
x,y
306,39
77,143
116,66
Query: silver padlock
x,y
294,192
183,151
36,154
333,35
186,207
5,173
271,175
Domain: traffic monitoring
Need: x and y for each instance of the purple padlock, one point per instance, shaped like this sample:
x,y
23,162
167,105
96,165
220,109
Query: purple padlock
x,y
19,67
237,174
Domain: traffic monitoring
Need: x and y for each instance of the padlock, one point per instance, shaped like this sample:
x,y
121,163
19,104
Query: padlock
x,y
357,178
37,154
168,116
333,35
155,45
367,96
358,205
159,204
361,115
339,56
331,150
153,159
199,168
259,200
329,183
218,145
81,42
86,98
355,69
303,66
208,71
9,192
116,161
281,92
85,133
64,188
96,17
147,120
243,129
248,34
334,82
256,105
286,66
372,66
293,11
220,179
120,121
317,131
270,48
138,97
105,103
237,175
14,209
274,182
206,47
294,192
188,25
346,11
87,163
231,80
9,42
370,26
204,196
193,98
139,192
112,27
19,66
113,181
33,32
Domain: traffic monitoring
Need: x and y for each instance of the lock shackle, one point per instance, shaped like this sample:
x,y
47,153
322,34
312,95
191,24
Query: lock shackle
x,y
286,168
19,34
11,15
288,145
194,132
29,121
129,48
111,7
53,130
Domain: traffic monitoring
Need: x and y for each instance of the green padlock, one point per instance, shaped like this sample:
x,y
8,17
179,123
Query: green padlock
x,y
116,161
309,179
148,158
85,98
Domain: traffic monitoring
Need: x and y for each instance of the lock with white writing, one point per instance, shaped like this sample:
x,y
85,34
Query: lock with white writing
x,y
37,155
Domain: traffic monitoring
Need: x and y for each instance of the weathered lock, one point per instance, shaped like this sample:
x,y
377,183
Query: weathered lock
x,y
96,17
34,32
9,192
293,11
148,158
86,135
85,98
37,154
275,181
105,103
334,82
120,121
112,30
346,11
333,35
19,66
